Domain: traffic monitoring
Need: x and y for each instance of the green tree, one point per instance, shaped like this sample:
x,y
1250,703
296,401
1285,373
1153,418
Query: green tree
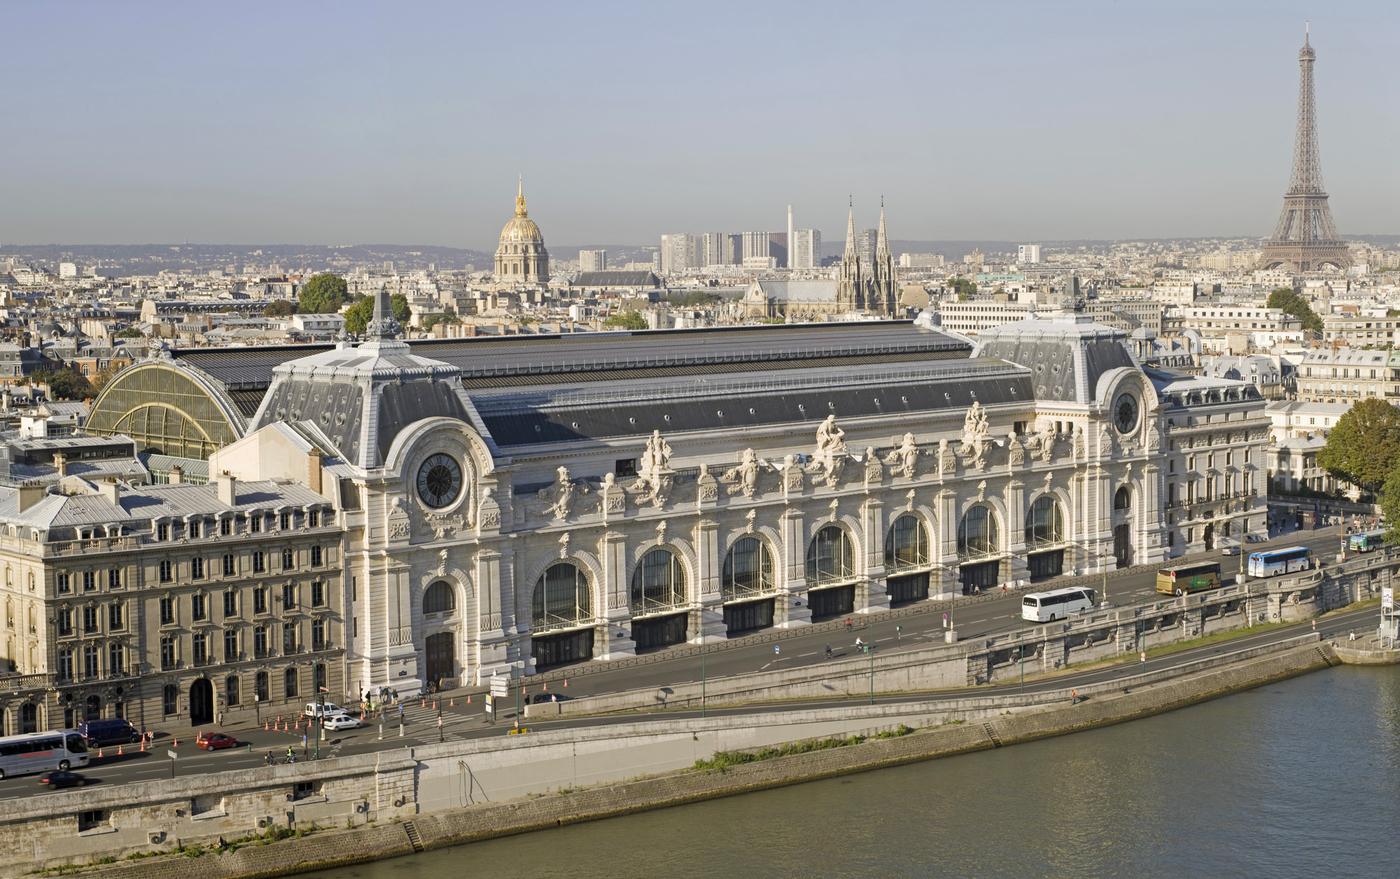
x,y
280,308
128,333
64,384
1364,446
1290,302
358,316
626,320
322,294
962,287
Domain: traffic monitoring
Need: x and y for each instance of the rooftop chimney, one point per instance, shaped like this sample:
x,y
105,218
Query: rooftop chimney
x,y
60,463
228,488
30,494
177,475
111,491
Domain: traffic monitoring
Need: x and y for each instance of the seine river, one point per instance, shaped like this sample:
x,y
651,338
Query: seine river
x,y
1297,779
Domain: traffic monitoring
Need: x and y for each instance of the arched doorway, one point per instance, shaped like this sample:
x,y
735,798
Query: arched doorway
x,y
441,658
1209,536
201,702
1123,545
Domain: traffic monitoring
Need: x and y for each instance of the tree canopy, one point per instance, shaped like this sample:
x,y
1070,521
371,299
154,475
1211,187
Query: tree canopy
x,y
1364,446
962,287
626,320
358,316
1291,302
322,294
64,384
280,308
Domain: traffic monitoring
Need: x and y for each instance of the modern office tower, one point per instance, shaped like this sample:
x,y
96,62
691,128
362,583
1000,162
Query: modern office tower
x,y
789,243
592,260
756,244
865,246
1028,254
715,249
778,249
806,249
680,252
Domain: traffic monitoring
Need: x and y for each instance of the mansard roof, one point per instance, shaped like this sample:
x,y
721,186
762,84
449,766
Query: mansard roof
x,y
1067,354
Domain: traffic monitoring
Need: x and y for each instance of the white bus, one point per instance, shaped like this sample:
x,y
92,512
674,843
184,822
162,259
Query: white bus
x,y
42,752
1046,607
1273,562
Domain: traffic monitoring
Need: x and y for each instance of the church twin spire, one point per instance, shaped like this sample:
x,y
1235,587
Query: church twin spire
x,y
862,287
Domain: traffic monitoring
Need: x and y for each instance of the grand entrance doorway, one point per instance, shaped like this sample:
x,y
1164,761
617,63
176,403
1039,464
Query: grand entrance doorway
x,y
441,658
1123,545
201,702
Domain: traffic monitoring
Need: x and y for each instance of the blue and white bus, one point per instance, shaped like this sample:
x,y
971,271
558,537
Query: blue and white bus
x,y
1273,562
1367,541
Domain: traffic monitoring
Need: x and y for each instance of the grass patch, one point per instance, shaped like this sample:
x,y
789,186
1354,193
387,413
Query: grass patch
x,y
723,760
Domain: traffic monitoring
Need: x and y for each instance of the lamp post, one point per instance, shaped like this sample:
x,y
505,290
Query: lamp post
x,y
703,651
320,719
870,652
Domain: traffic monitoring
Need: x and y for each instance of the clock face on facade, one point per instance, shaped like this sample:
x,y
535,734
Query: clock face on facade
x,y
1125,413
439,480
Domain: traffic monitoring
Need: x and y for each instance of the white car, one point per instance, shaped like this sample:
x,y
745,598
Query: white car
x,y
315,709
341,721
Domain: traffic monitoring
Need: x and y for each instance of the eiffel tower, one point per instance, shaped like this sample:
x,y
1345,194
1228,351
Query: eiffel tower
x,y
1305,239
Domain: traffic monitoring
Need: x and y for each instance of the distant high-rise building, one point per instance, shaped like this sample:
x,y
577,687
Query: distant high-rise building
x,y
778,248
67,270
789,243
1305,239
716,249
865,245
806,249
592,260
680,253
1028,254
756,244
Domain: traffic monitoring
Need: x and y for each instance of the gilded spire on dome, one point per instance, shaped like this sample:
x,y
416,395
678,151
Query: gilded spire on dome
x,y
520,198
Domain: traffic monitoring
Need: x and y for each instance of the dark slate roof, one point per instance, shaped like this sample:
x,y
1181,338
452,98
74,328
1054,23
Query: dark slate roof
x,y
563,413
1066,354
616,279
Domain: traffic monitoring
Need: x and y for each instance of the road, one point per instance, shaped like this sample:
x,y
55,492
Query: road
x,y
461,719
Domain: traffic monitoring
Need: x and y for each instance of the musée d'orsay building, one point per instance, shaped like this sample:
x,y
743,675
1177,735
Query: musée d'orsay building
x,y
450,509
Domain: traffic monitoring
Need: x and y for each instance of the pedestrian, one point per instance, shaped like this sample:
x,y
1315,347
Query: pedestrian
x,y
401,713
828,651
1073,697
849,623
859,643
777,651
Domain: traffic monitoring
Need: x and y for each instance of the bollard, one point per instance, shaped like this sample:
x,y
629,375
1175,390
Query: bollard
x,y
400,729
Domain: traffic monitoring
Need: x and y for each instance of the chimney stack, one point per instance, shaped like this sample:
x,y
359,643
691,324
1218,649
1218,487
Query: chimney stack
x,y
30,493
60,463
177,475
227,488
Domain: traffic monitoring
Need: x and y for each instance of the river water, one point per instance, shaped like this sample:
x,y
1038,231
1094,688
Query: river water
x,y
1300,778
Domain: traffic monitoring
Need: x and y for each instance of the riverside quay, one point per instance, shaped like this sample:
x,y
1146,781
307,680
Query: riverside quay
x,y
404,514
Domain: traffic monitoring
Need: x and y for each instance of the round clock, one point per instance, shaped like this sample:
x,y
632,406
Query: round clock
x,y
439,480
1125,413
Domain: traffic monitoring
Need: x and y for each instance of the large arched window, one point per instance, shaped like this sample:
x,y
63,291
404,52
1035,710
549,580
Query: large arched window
x,y
906,544
830,557
1122,499
978,533
438,598
1045,522
748,570
561,598
658,584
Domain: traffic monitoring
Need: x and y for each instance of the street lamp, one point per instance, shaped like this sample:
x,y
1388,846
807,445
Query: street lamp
x,y
870,652
320,719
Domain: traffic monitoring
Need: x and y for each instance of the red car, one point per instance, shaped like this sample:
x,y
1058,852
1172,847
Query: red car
x,y
215,742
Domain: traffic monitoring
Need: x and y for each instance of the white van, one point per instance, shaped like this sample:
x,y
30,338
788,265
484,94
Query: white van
x,y
313,709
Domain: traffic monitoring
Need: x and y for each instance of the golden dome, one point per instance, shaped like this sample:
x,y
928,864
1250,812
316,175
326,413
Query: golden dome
x,y
520,229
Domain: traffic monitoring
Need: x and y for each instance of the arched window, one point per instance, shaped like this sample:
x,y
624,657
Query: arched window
x,y
1045,522
906,544
978,533
93,709
830,557
1122,498
438,598
231,690
289,683
748,570
28,718
658,584
561,598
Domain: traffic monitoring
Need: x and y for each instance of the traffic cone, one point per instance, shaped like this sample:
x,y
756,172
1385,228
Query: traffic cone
x,y
121,750
175,744
264,726
437,705
469,698
566,682
99,753
546,686
452,702
143,744
422,703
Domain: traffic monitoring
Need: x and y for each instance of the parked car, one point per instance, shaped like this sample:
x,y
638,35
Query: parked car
x,y
63,778
1230,550
541,698
341,721
111,731
314,709
215,741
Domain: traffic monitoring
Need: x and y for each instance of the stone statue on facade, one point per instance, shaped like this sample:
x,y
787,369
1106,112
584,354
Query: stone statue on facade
x,y
560,495
975,438
905,457
831,451
654,471
1015,451
946,461
744,477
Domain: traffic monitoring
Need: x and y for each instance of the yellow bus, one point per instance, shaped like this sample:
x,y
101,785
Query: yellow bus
x,y
1182,579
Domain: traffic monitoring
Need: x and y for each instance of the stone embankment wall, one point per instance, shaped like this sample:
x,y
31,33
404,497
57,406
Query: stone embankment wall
x,y
487,820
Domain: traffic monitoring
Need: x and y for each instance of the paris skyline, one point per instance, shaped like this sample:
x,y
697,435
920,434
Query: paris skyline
x,y
1009,121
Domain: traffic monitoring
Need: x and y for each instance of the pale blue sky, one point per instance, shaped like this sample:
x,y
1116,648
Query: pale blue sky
x,y
407,122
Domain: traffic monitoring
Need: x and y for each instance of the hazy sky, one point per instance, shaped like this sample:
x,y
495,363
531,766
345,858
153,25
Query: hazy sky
x,y
350,122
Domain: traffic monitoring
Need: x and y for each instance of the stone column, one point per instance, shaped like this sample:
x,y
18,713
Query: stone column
x,y
615,639
872,595
787,613
707,619
944,581
1148,520
1015,568
495,633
